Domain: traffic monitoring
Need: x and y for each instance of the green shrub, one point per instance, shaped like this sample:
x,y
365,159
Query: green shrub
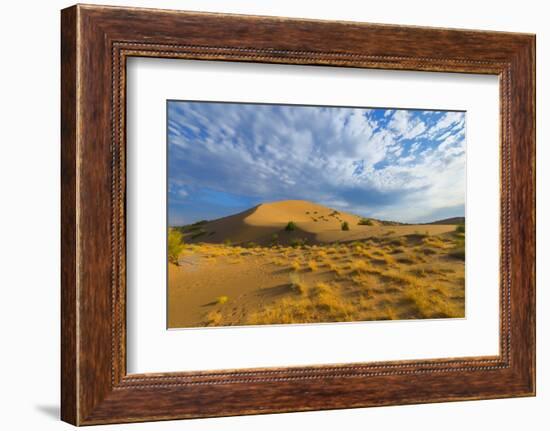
x,y
365,221
290,226
227,241
345,225
297,242
460,228
175,245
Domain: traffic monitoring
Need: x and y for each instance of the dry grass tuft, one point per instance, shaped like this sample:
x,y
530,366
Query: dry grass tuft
x,y
297,284
383,259
214,318
322,254
312,265
391,314
373,279
428,251
360,266
434,241
222,299
295,265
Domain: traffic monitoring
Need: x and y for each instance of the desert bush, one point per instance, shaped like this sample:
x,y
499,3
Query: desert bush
x,y
222,299
359,266
418,272
434,241
345,225
290,226
321,254
391,314
312,265
297,242
400,241
297,284
295,265
365,221
227,241
214,318
175,245
428,251
460,228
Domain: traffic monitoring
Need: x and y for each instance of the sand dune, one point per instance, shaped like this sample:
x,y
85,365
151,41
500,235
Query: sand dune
x,y
314,224
248,269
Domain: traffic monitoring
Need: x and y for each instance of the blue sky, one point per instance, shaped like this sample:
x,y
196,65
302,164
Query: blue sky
x,y
402,165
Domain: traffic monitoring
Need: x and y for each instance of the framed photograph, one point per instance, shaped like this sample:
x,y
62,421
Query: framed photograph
x,y
266,215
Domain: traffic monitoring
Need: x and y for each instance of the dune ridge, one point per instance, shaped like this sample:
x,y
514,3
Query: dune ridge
x,y
313,224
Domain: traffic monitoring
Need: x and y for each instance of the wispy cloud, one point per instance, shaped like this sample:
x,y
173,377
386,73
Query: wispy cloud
x,y
404,165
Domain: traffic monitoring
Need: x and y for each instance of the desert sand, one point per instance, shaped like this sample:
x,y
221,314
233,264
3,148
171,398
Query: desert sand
x,y
253,268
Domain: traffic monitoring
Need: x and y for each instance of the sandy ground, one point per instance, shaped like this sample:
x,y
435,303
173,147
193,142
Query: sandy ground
x,y
390,272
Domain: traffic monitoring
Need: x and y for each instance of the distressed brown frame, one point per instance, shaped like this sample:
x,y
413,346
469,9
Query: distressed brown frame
x,y
95,43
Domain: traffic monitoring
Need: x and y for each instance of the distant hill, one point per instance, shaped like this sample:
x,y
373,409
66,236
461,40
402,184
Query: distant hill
x,y
311,223
450,220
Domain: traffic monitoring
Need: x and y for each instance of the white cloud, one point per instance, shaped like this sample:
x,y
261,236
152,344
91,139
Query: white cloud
x,y
405,125
448,120
281,153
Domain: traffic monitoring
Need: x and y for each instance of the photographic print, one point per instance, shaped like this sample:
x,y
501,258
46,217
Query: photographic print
x,y
298,214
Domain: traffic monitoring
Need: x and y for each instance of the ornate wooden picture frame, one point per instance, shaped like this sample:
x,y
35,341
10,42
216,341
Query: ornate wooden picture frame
x,y
96,41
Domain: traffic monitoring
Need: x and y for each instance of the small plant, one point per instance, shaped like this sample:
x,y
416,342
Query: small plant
x,y
295,265
391,314
297,284
321,254
359,266
227,242
345,225
290,226
175,245
460,228
365,221
297,242
274,237
312,265
214,318
384,259
222,299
